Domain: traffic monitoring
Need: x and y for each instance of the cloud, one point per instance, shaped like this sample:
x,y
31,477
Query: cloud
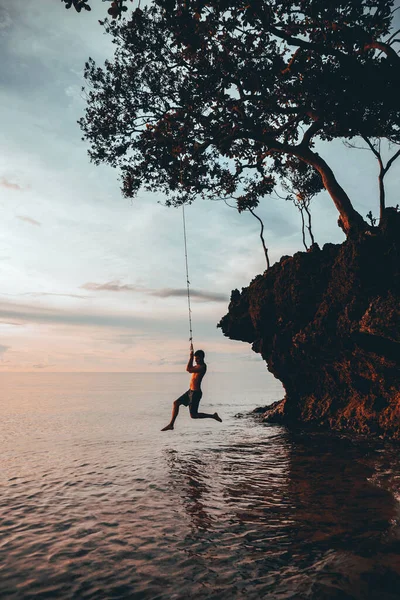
x,y
29,220
39,315
165,361
42,366
3,349
116,286
125,339
196,294
10,185
142,327
5,19
45,315
110,286
40,294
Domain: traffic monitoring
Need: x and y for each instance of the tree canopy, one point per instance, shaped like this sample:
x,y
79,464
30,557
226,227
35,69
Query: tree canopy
x,y
116,10
221,98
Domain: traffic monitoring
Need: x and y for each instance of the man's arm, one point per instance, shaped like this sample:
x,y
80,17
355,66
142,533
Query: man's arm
x,y
191,368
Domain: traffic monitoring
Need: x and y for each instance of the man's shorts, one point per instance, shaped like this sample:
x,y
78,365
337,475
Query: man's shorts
x,y
191,398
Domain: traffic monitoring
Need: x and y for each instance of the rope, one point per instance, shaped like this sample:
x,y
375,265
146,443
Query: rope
x,y
187,276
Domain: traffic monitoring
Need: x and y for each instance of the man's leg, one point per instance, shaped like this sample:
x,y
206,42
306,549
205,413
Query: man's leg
x,y
194,410
175,411
198,415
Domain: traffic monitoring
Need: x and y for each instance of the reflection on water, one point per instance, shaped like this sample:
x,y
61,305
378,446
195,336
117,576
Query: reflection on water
x,y
96,503
188,480
294,516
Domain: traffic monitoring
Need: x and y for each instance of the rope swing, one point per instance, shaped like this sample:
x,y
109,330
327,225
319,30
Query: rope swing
x,y
187,278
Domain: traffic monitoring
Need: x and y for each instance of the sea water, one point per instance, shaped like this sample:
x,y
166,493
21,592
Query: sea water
x,y
96,502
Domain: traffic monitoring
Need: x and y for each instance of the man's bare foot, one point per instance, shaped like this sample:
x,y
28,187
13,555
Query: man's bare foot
x,y
167,428
217,417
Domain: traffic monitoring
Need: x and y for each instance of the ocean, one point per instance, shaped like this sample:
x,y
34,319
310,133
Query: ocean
x,y
96,502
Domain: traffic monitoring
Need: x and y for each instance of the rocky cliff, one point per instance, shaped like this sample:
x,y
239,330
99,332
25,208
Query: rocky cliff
x,y
327,322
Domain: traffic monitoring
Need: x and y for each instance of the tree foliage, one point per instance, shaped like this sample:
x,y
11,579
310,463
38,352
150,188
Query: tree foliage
x,y
221,98
302,183
116,10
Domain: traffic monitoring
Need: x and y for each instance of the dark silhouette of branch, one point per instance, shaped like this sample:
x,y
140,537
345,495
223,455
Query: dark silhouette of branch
x,y
391,54
261,225
303,228
302,184
261,235
311,131
309,227
376,150
391,40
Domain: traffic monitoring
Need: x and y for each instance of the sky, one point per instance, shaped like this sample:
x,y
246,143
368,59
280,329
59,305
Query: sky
x,y
91,281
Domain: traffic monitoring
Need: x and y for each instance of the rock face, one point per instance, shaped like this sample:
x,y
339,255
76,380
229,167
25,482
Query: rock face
x,y
327,322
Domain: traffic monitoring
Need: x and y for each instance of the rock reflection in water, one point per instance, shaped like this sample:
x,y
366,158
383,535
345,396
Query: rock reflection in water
x,y
334,502
294,516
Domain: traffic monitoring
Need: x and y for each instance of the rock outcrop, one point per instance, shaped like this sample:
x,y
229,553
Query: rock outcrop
x,y
327,322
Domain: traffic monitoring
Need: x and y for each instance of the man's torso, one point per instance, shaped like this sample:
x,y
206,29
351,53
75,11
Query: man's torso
x,y
195,381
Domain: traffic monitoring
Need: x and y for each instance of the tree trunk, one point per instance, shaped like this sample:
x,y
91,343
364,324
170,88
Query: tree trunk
x,y
309,226
261,236
303,228
381,193
350,220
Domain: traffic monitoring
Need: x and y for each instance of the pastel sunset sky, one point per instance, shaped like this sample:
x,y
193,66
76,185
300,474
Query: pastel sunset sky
x,y
90,281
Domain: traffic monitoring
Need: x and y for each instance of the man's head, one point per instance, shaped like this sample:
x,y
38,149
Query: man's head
x,y
199,356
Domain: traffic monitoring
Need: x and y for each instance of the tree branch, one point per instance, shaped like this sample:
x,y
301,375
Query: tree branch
x,y
382,172
373,149
320,48
294,41
391,161
303,231
311,131
350,219
309,226
291,62
261,235
387,49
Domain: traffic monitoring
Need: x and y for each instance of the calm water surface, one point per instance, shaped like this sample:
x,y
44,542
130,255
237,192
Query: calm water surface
x,y
96,502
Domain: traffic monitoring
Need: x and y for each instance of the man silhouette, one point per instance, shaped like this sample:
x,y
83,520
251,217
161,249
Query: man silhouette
x,y
192,397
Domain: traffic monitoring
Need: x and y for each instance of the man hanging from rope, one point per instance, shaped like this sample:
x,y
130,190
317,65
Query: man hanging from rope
x,y
192,397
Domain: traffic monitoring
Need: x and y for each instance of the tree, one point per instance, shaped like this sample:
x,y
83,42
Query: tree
x,y
375,147
220,98
302,183
116,9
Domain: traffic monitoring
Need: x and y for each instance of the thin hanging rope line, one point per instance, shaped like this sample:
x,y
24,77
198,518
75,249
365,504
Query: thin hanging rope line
x,y
187,276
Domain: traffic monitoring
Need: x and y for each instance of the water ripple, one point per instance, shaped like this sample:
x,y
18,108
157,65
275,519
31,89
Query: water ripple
x,y
111,508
